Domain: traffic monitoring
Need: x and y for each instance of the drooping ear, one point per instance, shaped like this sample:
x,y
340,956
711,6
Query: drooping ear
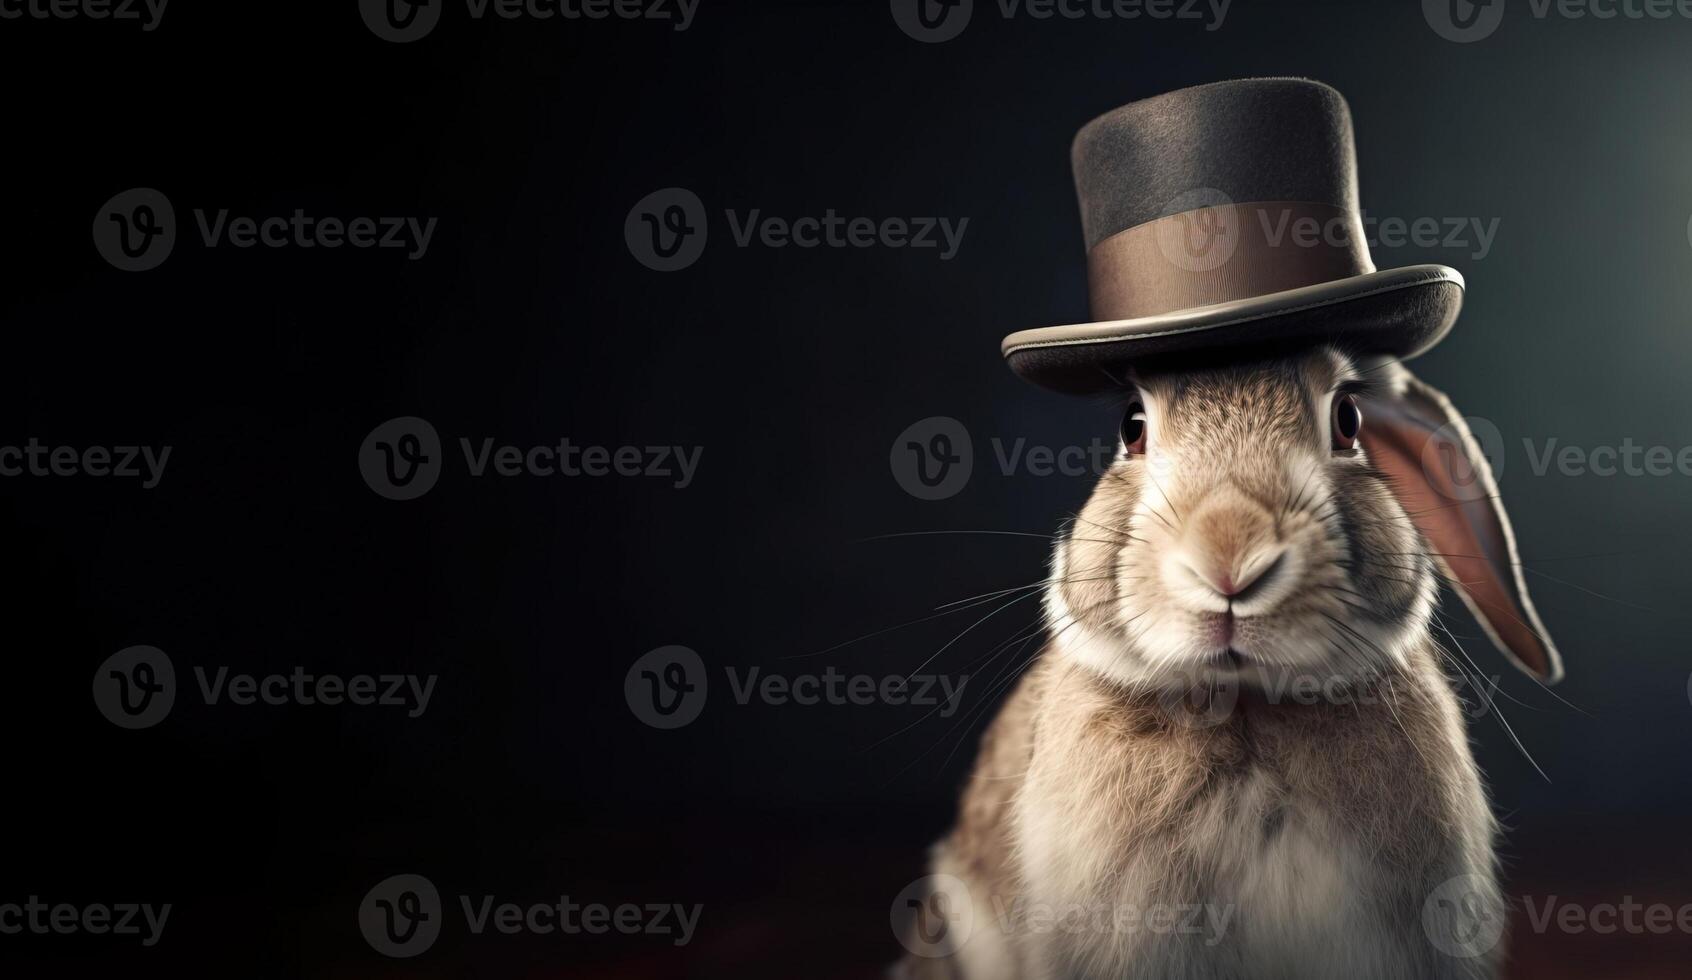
x,y
1413,433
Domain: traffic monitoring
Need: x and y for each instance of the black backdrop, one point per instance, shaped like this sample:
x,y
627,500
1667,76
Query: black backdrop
x,y
793,370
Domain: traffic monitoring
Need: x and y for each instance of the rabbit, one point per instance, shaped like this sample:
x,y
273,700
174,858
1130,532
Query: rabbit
x,y
1238,754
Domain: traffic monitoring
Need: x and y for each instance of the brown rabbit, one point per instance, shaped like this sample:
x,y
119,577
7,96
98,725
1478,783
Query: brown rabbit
x,y
1239,755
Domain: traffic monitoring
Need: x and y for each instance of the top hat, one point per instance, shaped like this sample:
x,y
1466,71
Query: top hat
x,y
1222,216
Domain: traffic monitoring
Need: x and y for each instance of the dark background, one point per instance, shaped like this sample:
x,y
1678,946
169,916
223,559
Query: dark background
x,y
528,321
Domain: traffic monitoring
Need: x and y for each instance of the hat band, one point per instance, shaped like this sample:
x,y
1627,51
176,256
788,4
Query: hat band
x,y
1223,253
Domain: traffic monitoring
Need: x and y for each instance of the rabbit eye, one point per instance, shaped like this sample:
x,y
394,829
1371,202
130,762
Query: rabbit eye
x,y
1134,430
1348,421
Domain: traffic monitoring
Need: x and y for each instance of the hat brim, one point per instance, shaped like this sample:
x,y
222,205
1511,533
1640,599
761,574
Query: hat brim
x,y
1402,312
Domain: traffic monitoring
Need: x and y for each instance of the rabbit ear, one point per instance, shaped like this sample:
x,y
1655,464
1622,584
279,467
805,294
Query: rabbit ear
x,y
1414,435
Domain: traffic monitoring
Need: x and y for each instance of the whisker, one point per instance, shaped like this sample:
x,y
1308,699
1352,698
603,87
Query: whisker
x,y
967,630
1502,721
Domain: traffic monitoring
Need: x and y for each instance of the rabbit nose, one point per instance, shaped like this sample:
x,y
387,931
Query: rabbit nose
x,y
1229,556
1238,582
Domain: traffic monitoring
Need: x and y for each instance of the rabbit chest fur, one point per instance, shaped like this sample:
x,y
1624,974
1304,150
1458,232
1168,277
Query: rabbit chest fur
x,y
1103,836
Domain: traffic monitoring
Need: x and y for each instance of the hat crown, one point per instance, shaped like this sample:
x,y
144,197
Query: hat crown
x,y
1199,207
1251,140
